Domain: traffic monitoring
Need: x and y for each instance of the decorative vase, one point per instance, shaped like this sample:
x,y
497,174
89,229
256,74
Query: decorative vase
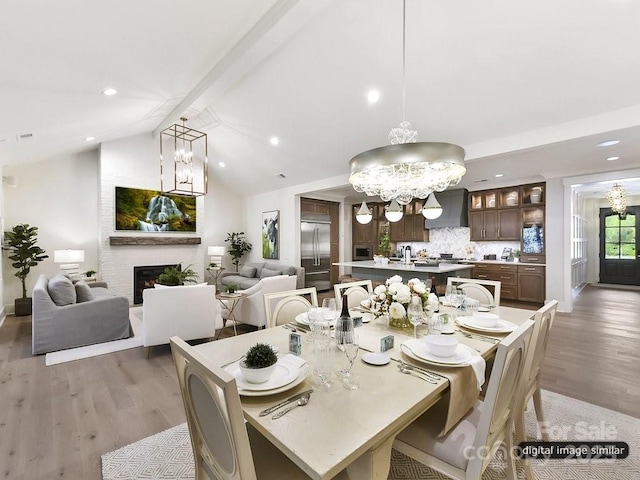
x,y
400,322
257,375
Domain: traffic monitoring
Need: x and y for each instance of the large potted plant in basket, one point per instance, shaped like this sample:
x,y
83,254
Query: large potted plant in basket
x,y
238,246
21,242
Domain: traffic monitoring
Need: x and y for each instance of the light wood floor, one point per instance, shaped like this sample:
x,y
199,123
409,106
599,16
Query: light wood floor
x,y
56,422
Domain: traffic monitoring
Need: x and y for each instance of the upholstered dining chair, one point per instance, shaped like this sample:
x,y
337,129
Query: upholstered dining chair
x,y
224,446
476,288
543,320
282,307
355,291
466,450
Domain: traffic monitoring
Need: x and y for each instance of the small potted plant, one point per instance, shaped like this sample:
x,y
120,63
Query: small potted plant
x,y
259,363
238,246
232,288
516,255
89,273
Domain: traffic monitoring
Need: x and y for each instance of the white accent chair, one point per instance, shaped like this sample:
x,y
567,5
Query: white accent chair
x,y
282,307
251,311
543,320
477,289
189,311
355,291
224,446
466,450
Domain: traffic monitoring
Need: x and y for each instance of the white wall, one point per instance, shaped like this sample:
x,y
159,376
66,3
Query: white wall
x,y
60,198
134,162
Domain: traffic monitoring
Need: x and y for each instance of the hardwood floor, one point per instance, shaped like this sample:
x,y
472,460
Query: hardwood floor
x,y
56,422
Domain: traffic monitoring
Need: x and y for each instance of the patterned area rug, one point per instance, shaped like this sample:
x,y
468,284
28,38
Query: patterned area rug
x,y
167,455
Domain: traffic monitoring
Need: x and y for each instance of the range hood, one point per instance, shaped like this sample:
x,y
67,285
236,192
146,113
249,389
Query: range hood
x,y
455,209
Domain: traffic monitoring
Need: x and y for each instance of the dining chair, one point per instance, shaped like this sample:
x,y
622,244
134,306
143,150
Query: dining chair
x,y
466,450
355,291
543,320
282,307
224,446
476,288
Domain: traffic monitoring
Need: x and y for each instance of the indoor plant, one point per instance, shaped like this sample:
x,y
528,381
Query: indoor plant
x,y
238,246
174,276
89,273
384,247
21,242
259,363
232,287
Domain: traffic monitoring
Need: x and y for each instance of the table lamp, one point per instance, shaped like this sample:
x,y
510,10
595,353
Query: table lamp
x,y
70,260
216,254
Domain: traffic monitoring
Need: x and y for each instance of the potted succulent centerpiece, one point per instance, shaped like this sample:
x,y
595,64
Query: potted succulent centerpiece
x,y
259,363
21,242
174,276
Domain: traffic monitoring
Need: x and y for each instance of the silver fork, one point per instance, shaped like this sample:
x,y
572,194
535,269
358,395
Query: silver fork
x,y
479,337
408,366
232,361
417,374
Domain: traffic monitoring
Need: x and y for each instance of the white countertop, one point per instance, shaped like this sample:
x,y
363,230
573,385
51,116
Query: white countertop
x,y
397,266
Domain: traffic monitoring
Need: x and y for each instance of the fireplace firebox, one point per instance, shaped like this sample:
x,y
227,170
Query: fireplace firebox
x,y
145,277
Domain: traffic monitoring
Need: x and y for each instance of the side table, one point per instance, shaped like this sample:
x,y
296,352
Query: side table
x,y
230,301
214,273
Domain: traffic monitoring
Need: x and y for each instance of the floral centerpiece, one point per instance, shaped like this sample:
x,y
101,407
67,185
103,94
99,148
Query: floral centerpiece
x,y
393,298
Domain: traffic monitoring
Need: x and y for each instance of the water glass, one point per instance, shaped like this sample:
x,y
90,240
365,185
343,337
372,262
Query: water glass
x,y
436,323
415,314
471,305
314,315
449,290
324,364
329,309
350,347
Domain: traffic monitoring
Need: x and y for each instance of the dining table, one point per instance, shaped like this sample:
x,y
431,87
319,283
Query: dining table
x,y
354,429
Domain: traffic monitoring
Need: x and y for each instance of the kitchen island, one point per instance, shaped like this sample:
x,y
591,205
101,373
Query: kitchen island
x,y
377,272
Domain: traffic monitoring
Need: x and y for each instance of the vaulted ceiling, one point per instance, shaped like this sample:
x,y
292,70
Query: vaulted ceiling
x,y
527,88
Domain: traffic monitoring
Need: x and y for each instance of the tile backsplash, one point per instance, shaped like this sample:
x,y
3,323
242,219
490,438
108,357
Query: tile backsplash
x,y
455,240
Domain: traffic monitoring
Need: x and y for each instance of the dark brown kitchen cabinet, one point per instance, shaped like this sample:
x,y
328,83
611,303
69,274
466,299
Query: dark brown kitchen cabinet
x,y
506,274
531,283
364,233
484,225
314,206
414,230
509,224
396,230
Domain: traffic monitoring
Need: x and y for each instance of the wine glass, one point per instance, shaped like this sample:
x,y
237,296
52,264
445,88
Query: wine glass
x,y
457,298
415,314
314,315
329,309
449,290
350,345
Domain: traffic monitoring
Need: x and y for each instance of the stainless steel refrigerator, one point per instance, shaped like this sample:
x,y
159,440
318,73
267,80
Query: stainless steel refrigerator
x,y
314,249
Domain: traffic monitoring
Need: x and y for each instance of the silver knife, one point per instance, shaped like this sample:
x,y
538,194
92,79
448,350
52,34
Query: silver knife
x,y
283,403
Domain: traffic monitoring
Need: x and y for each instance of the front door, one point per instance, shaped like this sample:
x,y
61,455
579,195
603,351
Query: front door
x,y
620,247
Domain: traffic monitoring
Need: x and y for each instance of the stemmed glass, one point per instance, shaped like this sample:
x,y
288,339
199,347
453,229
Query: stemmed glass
x,y
350,345
415,314
457,299
329,309
323,353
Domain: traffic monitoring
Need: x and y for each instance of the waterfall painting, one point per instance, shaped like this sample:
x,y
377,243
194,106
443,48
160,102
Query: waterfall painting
x,y
153,211
270,237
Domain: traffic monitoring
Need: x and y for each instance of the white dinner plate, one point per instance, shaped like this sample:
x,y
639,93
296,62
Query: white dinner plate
x,y
502,326
418,350
289,373
376,358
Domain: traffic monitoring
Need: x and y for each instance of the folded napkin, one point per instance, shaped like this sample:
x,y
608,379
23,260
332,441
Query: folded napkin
x,y
293,360
479,366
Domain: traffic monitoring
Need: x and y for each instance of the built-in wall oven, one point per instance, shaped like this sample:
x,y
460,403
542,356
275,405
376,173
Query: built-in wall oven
x,y
362,251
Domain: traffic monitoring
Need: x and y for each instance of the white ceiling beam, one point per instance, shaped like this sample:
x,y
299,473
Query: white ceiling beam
x,y
274,28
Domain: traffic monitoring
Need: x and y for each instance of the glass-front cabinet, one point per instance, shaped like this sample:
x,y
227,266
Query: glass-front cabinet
x,y
485,199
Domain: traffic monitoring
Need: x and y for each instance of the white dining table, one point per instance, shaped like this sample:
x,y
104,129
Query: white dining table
x,y
341,428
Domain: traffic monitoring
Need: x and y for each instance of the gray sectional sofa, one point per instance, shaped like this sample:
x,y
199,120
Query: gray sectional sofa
x,y
67,315
251,273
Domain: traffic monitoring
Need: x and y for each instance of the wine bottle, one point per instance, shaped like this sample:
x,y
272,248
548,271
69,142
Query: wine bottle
x,y
344,323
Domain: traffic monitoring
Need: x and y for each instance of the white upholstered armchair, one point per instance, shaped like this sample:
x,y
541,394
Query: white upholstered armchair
x,y
190,312
251,310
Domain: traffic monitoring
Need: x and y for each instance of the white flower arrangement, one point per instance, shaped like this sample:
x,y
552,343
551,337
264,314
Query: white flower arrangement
x,y
393,297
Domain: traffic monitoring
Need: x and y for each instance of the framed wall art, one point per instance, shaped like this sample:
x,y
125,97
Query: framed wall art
x,y
271,234
154,211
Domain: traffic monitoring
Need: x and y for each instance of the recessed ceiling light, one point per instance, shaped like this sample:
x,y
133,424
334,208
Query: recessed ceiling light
x,y
611,159
109,91
608,143
274,141
221,164
498,175
89,139
373,96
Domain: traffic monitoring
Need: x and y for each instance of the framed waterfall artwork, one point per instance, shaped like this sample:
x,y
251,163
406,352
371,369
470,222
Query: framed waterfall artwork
x,y
154,211
271,234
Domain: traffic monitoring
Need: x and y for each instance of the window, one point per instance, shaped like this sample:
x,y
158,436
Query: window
x,y
620,236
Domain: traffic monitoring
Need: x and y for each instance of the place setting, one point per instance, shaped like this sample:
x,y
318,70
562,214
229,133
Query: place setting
x,y
485,322
261,371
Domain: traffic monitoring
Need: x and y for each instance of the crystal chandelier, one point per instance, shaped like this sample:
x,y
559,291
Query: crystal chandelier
x,y
617,199
406,168
187,174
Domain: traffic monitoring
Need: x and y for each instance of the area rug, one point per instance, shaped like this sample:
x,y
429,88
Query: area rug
x,y
62,356
167,455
